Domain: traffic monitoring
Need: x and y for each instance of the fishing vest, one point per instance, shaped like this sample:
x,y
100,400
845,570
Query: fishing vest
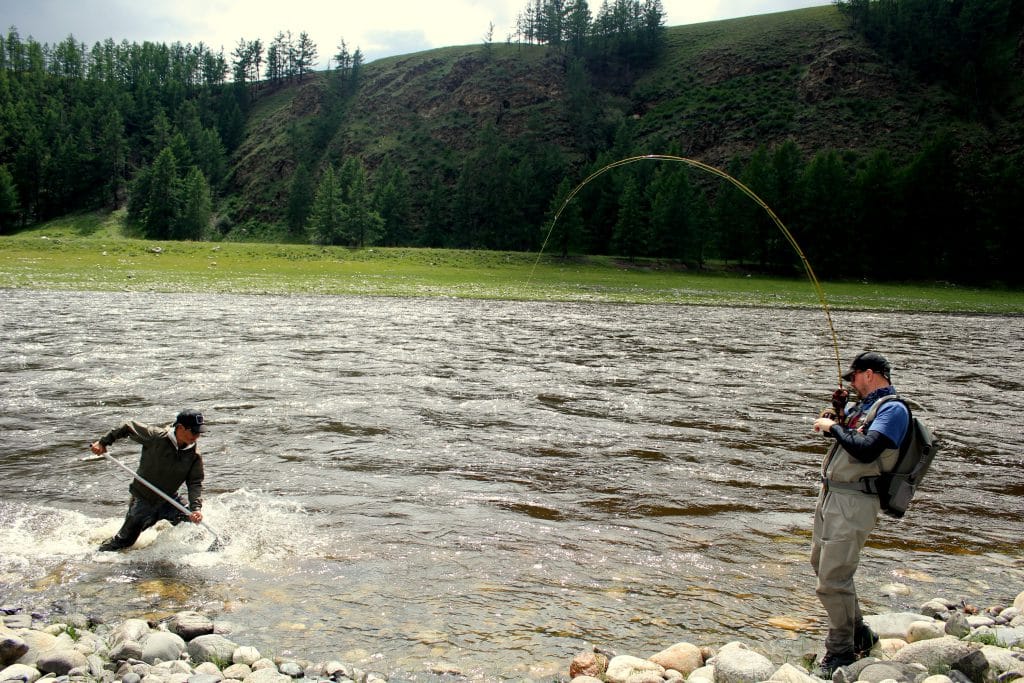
x,y
841,467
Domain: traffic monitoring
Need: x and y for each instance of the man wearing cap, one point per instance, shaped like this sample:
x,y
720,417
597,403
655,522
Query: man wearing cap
x,y
866,444
169,459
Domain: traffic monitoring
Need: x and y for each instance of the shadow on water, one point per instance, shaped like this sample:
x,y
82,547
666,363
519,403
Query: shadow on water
x,y
489,486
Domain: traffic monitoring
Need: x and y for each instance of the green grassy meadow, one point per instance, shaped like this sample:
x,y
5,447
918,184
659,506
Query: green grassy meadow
x,y
91,252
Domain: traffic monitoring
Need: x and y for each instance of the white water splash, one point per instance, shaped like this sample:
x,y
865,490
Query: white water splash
x,y
254,529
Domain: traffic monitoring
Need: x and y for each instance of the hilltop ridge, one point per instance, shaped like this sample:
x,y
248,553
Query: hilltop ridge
x,y
721,90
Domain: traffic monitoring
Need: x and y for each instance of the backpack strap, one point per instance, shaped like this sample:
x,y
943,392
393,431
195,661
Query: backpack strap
x,y
870,417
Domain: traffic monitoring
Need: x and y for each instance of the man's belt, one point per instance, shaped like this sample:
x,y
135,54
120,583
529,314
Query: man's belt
x,y
866,485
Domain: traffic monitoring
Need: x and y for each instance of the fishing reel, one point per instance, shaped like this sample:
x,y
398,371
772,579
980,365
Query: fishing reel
x,y
837,411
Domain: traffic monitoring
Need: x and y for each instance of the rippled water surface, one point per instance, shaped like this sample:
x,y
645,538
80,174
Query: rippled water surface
x,y
489,487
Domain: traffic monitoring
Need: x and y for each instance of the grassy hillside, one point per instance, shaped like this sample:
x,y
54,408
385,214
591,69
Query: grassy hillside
x,y
721,89
726,87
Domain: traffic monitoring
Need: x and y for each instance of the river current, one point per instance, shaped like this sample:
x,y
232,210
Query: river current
x,y
485,486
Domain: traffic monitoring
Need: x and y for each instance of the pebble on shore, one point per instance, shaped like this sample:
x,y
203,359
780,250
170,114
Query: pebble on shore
x,y
943,642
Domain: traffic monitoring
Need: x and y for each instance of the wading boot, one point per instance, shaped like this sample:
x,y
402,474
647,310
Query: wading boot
x,y
863,640
833,661
110,545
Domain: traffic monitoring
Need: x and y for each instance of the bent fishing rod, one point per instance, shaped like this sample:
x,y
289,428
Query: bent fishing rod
x,y
743,188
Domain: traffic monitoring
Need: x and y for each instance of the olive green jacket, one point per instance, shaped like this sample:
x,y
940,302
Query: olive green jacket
x,y
162,463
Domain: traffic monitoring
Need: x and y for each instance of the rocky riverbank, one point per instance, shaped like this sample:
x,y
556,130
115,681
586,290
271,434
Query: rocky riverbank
x,y
943,642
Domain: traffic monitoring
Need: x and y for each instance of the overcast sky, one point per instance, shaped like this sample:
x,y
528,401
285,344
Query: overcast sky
x,y
377,27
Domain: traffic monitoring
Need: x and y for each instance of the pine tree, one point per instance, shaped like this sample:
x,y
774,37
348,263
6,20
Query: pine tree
x,y
672,226
350,169
784,199
159,136
391,201
362,226
112,156
300,200
160,210
194,207
305,55
328,211
567,233
230,121
27,166
211,157
630,238
138,196
8,202
878,207
826,190
759,228
577,26
436,220
582,111
729,219
933,240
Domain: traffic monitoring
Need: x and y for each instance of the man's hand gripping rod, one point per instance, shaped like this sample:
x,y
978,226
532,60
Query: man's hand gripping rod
x,y
216,538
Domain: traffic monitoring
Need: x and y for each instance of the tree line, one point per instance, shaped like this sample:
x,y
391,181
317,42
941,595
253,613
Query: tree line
x,y
151,127
287,58
945,214
623,35
148,126
77,124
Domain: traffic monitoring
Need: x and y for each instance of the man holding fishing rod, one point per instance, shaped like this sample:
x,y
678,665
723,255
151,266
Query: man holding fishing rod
x,y
169,459
867,443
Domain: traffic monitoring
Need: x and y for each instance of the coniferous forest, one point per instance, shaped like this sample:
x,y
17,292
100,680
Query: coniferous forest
x,y
172,134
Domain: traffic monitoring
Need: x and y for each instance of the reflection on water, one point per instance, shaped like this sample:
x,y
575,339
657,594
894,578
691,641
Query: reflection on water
x,y
488,486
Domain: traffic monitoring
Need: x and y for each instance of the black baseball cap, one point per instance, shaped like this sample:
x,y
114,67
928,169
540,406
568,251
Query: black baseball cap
x,y
869,360
191,420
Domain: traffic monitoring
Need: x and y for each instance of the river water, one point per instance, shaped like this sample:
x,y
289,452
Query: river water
x,y
484,486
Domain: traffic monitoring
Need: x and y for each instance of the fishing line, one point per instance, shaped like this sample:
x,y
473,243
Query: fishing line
x,y
743,188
